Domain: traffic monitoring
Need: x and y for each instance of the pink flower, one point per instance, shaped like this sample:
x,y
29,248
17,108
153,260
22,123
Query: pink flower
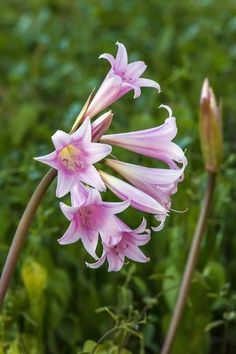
x,y
138,199
159,183
155,142
128,246
121,79
74,157
89,217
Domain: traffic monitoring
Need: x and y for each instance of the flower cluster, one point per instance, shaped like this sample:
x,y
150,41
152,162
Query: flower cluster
x,y
145,189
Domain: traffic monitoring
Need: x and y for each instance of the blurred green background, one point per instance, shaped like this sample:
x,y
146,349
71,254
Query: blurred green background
x,y
49,64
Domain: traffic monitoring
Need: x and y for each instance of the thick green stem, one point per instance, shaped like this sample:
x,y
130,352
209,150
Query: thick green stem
x,y
22,231
190,265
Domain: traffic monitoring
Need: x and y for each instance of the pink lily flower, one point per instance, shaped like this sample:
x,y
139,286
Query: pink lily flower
x,y
138,199
159,183
155,142
128,246
74,157
122,78
89,217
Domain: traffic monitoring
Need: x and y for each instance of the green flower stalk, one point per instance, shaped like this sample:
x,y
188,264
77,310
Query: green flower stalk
x,y
210,128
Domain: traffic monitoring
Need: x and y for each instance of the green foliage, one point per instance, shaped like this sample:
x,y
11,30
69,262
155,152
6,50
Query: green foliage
x,y
49,65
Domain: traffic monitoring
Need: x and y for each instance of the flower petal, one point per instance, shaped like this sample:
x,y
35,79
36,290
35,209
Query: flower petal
x,y
79,194
49,159
137,92
97,152
70,236
68,211
121,60
65,183
108,57
115,261
162,220
93,197
92,177
142,82
138,199
89,239
111,230
126,87
97,264
141,228
134,253
83,134
60,139
105,96
135,70
116,207
140,240
159,134
145,174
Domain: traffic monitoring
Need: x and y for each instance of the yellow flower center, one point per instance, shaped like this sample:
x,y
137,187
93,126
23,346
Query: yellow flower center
x,y
69,157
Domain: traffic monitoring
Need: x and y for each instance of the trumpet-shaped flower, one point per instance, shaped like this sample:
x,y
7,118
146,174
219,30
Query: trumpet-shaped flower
x,y
159,183
89,217
74,157
128,246
155,142
122,78
138,199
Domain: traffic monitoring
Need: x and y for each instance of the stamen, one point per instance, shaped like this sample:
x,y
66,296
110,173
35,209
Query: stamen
x,y
69,157
179,211
87,218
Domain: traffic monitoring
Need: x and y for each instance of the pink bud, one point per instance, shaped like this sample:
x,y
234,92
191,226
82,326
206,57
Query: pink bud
x,y
101,125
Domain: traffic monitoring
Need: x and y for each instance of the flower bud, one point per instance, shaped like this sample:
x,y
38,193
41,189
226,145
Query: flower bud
x,y
101,125
210,128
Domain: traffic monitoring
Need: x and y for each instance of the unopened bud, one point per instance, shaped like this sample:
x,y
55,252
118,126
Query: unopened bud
x,y
210,128
101,125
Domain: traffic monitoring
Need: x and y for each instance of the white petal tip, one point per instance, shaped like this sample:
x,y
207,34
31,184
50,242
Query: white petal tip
x,y
169,110
102,188
59,240
40,159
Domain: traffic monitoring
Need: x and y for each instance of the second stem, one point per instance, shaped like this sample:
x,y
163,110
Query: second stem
x,y
190,266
